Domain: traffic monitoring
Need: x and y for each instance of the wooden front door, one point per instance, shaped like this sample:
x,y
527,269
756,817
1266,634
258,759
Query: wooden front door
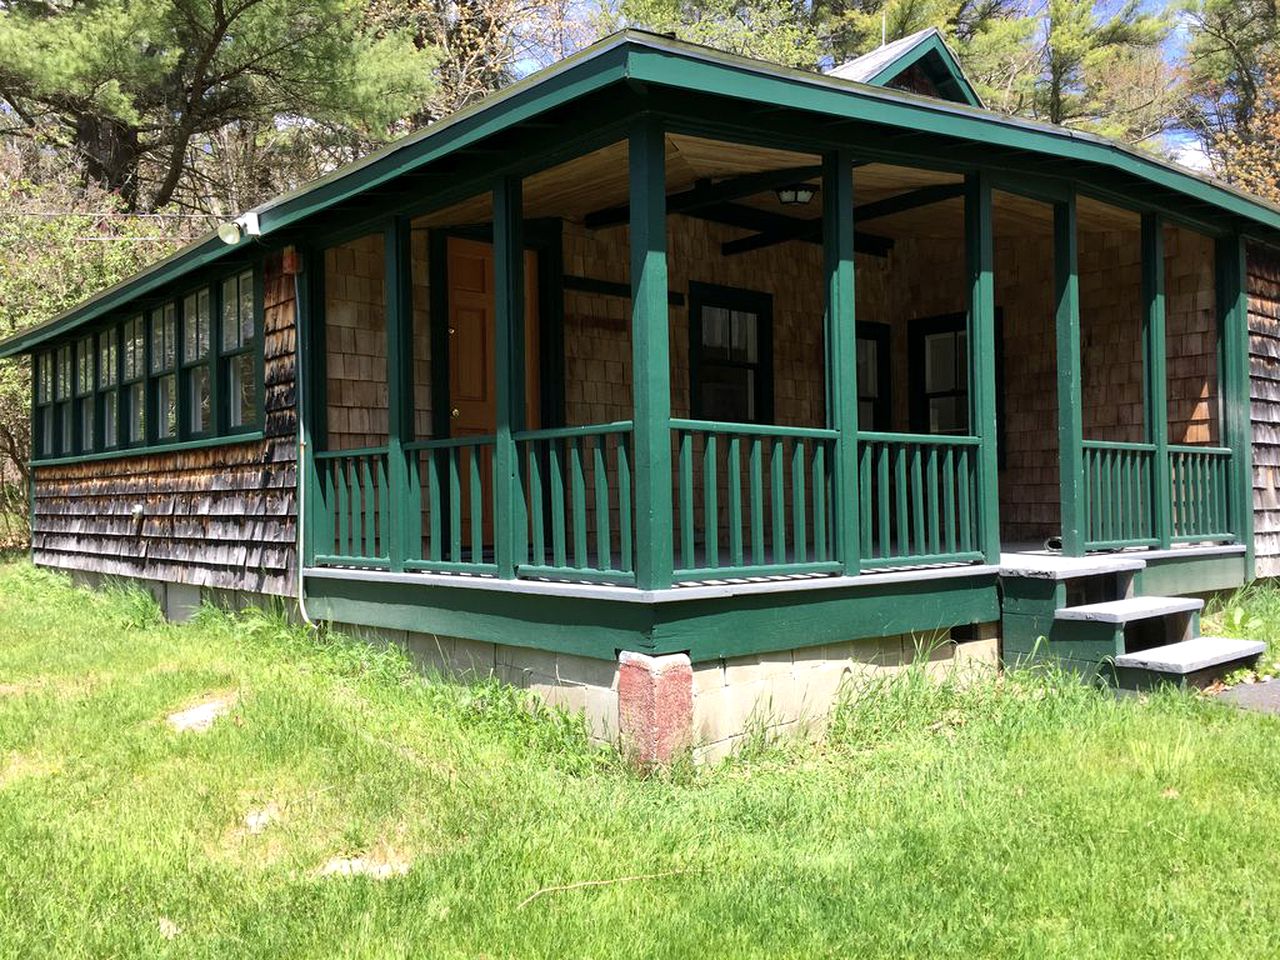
x,y
472,333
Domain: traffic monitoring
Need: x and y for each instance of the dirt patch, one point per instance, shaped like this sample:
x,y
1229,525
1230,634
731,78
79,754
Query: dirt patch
x,y
381,863
200,717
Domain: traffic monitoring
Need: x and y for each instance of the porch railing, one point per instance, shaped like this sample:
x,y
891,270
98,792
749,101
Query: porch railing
x,y
1201,501
577,502
353,511
451,505
752,500
919,499
1119,507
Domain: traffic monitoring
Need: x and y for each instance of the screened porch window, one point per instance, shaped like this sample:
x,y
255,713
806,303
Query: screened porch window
x,y
135,405
164,356
239,358
195,363
62,388
86,408
108,385
730,355
44,403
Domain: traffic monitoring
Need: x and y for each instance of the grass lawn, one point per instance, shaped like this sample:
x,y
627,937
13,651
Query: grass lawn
x,y
1030,817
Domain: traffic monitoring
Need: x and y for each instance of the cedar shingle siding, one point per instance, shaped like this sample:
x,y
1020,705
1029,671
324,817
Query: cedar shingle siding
x,y
1264,391
214,517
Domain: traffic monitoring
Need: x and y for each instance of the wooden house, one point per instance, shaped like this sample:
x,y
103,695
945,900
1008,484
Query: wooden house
x,y
683,388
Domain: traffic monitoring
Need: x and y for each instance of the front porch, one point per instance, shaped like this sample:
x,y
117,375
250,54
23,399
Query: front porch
x,y
657,365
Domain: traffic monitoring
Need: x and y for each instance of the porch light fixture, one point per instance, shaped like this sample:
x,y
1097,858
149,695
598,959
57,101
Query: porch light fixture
x,y
795,194
244,225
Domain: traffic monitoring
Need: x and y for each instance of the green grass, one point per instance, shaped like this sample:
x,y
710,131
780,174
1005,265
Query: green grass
x,y
1029,817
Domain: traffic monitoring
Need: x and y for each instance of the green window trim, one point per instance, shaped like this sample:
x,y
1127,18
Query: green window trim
x,y
239,348
86,415
133,377
703,296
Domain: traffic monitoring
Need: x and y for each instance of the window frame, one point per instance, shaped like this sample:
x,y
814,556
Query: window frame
x,y
922,327
880,334
133,389
43,433
64,390
89,396
186,367
108,389
250,346
703,295
162,314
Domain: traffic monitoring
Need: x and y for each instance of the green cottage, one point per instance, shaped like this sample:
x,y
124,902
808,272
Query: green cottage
x,y
683,388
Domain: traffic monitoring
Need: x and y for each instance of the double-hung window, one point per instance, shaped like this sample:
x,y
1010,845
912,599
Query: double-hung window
x,y
134,381
109,385
730,354
44,405
198,384
239,358
86,407
63,380
164,386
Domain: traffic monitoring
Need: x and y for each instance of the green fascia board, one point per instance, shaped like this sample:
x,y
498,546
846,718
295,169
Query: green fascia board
x,y
640,58
935,48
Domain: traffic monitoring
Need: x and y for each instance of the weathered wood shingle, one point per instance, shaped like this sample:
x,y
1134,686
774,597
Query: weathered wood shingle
x,y
219,517
1264,393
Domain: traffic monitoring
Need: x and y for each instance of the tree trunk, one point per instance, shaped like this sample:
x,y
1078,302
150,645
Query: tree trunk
x,y
111,152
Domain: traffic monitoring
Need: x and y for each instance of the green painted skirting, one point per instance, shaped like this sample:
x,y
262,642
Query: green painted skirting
x,y
707,629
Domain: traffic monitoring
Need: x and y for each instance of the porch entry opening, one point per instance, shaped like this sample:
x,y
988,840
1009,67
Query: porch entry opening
x,y
472,394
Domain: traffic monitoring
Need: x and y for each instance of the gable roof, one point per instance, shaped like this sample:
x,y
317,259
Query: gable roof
x,y
874,120
924,49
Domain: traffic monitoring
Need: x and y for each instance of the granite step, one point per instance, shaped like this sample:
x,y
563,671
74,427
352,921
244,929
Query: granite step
x,y
1130,609
1192,656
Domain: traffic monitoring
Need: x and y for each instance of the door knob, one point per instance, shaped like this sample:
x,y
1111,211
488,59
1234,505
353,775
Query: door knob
x,y
452,331
455,413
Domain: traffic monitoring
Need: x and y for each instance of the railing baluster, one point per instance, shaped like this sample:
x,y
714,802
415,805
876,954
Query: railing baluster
x,y
685,508
931,495
537,505
433,497
370,507
756,468
966,510
623,455
799,518
866,498
344,507
455,505
917,501
900,503
883,489
579,502
733,473
604,536
820,503
477,505
949,497
710,502
778,500
559,534
384,511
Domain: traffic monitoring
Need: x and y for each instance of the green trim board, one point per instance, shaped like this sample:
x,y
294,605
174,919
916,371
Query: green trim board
x,y
924,50
642,58
707,628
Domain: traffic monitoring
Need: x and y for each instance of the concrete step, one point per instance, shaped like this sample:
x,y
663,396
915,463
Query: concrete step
x,y
1130,609
1192,656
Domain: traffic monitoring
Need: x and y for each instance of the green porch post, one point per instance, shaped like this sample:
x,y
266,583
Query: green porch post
x,y
842,349
404,541
312,365
1233,331
980,255
508,283
1070,398
1155,405
650,346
